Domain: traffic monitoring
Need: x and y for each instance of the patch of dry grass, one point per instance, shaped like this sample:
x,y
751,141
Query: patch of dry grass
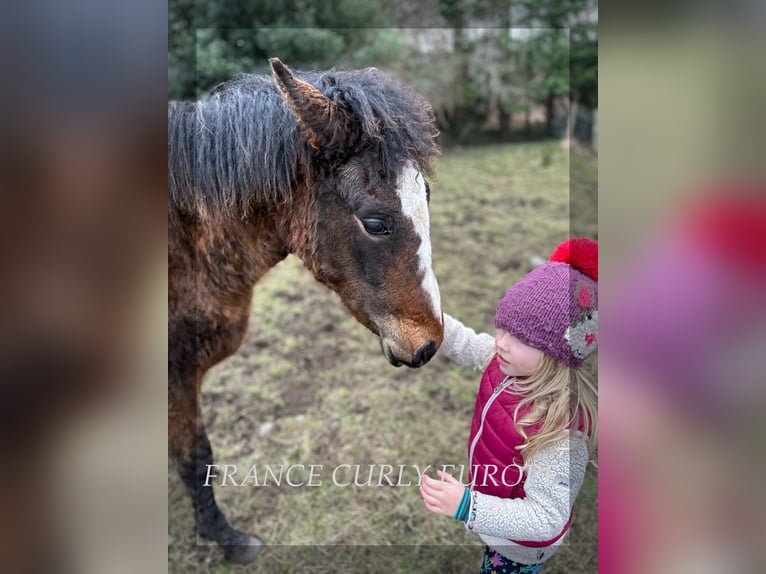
x,y
318,382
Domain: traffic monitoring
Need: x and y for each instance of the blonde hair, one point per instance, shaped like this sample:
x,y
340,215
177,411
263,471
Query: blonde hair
x,y
559,395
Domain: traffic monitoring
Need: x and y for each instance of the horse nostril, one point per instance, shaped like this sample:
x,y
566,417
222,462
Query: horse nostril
x,y
390,355
424,354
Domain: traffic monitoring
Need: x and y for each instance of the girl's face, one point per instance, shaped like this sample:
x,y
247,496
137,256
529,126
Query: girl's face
x,y
516,359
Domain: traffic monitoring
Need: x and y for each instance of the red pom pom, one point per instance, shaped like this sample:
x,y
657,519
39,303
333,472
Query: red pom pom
x,y
581,253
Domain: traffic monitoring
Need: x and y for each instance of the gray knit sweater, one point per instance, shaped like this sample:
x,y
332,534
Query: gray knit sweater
x,y
554,475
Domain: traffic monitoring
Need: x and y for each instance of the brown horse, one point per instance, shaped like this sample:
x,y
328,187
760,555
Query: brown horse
x,y
327,166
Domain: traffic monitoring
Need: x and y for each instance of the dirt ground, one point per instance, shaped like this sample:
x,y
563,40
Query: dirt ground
x,y
310,386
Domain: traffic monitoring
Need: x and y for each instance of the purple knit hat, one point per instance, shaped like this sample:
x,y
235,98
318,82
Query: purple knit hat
x,y
554,308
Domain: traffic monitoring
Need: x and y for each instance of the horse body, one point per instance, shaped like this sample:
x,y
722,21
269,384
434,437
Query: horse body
x,y
329,168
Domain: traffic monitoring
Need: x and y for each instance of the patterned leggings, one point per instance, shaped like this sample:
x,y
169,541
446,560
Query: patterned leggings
x,y
496,563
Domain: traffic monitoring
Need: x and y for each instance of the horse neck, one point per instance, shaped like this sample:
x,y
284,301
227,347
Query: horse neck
x,y
295,224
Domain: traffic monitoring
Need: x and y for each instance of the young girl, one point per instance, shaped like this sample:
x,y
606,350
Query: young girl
x,y
535,417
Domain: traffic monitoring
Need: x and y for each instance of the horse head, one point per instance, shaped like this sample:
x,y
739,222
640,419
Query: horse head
x,y
367,193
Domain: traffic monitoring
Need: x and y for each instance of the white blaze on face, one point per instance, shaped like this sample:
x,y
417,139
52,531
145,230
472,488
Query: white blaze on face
x,y
411,190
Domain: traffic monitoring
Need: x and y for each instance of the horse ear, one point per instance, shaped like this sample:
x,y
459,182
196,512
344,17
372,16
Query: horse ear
x,y
326,123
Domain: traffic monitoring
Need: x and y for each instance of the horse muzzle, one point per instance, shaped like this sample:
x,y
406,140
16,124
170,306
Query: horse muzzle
x,y
414,360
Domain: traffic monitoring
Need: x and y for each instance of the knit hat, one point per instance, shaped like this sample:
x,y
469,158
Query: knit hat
x,y
554,308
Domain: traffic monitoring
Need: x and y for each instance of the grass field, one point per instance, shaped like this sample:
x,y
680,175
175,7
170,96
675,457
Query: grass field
x,y
311,386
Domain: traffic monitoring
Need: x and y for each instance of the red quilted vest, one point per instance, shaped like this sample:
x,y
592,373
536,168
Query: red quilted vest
x,y
495,462
494,467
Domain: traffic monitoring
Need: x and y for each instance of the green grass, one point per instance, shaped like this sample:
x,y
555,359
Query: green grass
x,y
320,379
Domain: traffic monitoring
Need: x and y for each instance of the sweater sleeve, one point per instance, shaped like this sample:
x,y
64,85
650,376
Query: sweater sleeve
x,y
462,345
554,479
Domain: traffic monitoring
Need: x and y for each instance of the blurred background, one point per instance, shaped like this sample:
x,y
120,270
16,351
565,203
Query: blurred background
x,y
682,220
493,70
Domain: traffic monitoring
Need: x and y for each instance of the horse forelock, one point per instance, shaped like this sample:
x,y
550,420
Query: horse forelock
x,y
394,119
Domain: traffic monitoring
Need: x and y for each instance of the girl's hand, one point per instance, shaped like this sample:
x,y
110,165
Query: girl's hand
x,y
442,496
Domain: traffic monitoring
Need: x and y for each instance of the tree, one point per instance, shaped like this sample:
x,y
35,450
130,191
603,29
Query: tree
x,y
547,55
569,60
477,61
211,42
584,63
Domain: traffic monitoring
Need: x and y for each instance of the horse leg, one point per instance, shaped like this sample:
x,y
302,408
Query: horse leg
x,y
190,449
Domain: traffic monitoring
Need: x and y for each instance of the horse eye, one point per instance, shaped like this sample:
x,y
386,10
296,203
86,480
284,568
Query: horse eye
x,y
375,226
428,192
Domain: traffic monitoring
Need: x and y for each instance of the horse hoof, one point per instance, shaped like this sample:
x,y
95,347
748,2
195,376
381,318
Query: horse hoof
x,y
243,553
